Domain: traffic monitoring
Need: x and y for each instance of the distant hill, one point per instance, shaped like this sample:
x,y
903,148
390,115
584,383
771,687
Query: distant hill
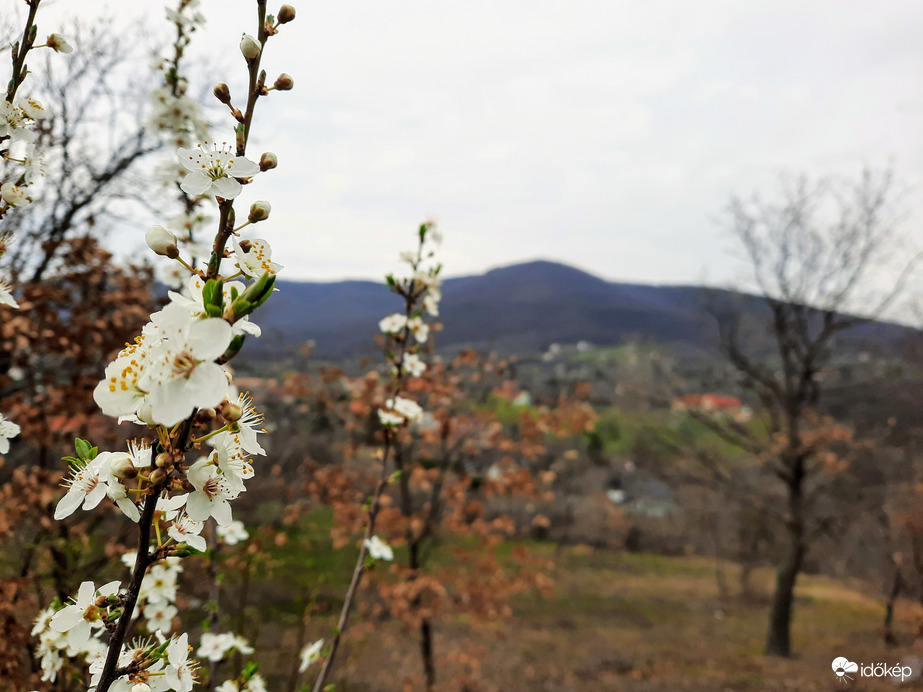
x,y
521,308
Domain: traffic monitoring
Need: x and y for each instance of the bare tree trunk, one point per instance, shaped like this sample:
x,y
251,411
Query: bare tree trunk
x,y
897,585
779,637
426,653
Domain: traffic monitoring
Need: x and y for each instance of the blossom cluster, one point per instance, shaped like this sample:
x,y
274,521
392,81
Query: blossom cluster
x,y
181,122
158,664
174,380
23,164
408,331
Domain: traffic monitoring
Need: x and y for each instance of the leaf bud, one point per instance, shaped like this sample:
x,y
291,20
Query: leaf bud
x,y
163,460
158,476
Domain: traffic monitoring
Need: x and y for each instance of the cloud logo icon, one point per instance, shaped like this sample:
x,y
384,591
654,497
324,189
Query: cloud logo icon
x,y
841,666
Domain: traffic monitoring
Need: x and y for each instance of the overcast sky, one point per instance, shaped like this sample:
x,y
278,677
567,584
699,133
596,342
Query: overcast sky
x,y
608,135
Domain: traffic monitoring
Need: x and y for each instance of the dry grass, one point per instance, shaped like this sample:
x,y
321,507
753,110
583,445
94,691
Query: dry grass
x,y
623,622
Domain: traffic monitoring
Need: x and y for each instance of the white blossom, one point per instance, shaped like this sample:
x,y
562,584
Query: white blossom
x,y
378,549
14,195
77,618
160,616
392,324
256,261
408,409
32,108
211,495
389,419
181,374
214,647
419,328
159,586
310,654
233,533
58,44
251,418
256,683
180,671
186,530
413,365
231,458
119,392
110,464
431,304
214,171
85,485
8,430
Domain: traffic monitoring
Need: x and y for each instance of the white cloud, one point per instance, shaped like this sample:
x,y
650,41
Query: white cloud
x,y
607,134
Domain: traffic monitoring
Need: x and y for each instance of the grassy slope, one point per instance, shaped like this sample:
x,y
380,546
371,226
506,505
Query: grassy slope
x,y
615,622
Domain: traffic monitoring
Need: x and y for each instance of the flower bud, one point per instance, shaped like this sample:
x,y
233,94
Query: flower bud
x,y
124,469
59,45
160,240
205,415
259,211
232,413
222,93
249,47
286,14
284,82
268,161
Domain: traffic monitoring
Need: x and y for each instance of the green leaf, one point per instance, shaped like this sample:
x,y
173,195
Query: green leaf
x,y
83,448
213,263
213,294
242,308
234,347
184,550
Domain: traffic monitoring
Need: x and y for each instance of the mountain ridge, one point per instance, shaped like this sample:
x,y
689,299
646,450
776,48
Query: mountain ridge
x,y
517,308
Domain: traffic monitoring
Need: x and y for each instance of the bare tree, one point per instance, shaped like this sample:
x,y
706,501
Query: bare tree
x,y
94,138
817,257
